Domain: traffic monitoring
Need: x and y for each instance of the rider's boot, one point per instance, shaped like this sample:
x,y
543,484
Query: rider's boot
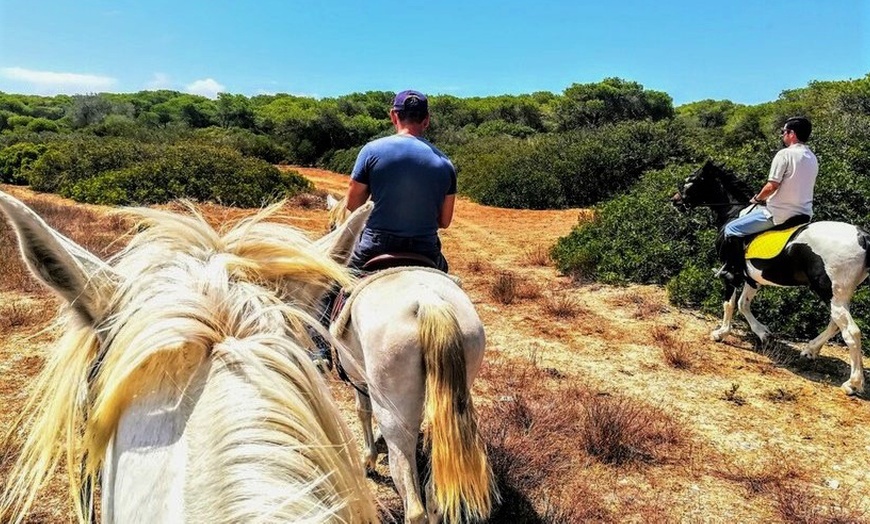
x,y
732,271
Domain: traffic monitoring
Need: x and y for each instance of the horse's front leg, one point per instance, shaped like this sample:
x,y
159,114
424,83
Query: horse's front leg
x,y
364,412
728,314
743,304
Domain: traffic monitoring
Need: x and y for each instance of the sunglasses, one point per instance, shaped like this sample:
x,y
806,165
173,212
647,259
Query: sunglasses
x,y
784,131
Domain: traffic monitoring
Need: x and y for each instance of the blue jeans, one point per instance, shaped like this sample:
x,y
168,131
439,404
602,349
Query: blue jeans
x,y
753,222
373,243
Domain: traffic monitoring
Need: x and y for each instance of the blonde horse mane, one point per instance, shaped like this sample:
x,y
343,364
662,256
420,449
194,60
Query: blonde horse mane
x,y
191,296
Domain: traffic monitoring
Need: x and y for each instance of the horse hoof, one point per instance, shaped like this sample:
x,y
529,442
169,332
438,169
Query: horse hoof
x,y
851,390
809,354
717,336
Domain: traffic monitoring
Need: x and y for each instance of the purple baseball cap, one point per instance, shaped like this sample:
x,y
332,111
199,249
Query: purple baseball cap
x,y
410,100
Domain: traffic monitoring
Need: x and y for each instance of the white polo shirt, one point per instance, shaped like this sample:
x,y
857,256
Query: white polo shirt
x,y
795,169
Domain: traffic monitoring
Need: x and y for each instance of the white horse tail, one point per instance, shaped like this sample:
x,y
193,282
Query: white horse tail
x,y
460,475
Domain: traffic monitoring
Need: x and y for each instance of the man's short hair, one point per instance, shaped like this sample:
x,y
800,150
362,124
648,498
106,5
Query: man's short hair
x,y
411,106
801,127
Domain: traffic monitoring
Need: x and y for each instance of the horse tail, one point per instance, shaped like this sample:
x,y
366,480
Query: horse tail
x,y
460,474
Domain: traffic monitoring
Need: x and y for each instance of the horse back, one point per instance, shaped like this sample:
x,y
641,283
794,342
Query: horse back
x,y
819,255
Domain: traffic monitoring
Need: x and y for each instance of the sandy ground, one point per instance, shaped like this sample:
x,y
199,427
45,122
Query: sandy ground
x,y
786,413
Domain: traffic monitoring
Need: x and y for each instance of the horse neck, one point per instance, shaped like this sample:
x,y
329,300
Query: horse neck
x,y
725,214
726,205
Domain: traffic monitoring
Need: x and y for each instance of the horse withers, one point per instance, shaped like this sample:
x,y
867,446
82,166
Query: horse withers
x,y
831,258
414,344
182,377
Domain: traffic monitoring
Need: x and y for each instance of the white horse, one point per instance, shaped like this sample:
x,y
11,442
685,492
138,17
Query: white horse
x,y
414,345
181,375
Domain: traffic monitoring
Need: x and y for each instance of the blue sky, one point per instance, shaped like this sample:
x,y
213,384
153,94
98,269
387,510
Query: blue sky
x,y
746,51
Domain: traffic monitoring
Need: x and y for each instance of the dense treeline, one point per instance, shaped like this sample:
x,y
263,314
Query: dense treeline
x,y
588,130
612,144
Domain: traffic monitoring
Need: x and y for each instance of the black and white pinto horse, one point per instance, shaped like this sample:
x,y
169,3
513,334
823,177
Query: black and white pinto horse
x,y
831,258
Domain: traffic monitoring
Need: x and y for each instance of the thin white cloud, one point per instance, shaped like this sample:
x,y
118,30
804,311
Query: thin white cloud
x,y
52,83
207,88
159,81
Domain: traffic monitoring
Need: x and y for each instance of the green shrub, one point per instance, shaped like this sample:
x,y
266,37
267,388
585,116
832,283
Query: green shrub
x,y
246,142
18,121
637,237
507,172
341,161
68,161
193,171
39,125
569,169
16,159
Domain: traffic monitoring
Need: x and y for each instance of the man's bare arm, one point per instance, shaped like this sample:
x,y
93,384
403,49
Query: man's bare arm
x,y
357,194
446,214
769,188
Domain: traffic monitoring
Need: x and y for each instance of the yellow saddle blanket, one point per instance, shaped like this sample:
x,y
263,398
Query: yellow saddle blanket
x,y
770,243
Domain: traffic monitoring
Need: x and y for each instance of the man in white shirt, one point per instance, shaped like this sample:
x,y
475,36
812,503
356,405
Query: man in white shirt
x,y
787,193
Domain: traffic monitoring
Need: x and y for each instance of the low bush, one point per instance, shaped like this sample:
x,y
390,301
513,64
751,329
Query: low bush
x,y
577,168
197,172
636,237
16,160
341,161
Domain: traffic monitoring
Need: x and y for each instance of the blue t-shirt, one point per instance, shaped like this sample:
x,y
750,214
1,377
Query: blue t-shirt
x,y
408,178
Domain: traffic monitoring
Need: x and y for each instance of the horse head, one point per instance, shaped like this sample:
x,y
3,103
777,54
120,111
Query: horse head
x,y
183,362
714,187
702,188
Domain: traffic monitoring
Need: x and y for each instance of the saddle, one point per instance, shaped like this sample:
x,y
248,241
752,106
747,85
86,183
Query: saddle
x,y
379,263
770,243
388,260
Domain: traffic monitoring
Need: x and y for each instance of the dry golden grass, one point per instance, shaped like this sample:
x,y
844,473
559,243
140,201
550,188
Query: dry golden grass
x,y
797,503
308,201
504,288
21,315
733,395
562,305
780,395
528,290
620,430
676,353
531,441
536,256
765,475
477,265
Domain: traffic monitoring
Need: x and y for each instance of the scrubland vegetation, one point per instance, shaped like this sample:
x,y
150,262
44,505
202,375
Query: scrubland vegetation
x,y
611,145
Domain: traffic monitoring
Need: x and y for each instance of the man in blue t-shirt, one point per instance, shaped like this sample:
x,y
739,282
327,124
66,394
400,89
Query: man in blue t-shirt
x,y
412,185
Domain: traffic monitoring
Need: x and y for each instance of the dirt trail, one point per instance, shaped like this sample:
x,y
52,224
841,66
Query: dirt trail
x,y
614,344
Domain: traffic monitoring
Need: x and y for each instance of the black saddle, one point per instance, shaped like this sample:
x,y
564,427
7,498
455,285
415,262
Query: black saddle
x,y
388,260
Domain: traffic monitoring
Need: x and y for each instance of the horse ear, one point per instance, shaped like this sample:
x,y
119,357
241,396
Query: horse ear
x,y
339,243
331,201
83,280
